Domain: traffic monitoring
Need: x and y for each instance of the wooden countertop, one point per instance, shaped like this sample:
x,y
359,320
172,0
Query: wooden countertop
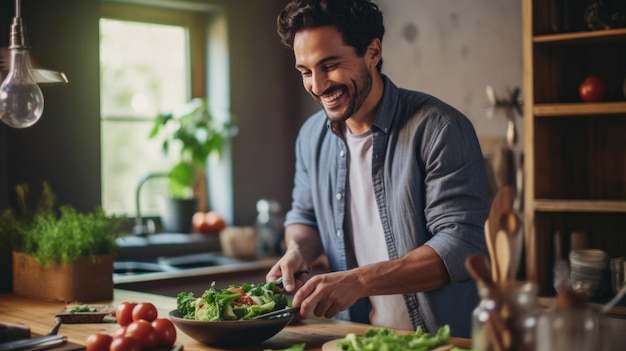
x,y
39,316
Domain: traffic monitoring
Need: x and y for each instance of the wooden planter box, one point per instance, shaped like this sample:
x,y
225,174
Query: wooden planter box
x,y
84,281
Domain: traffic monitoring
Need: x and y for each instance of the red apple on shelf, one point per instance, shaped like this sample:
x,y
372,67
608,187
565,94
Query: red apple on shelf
x,y
593,89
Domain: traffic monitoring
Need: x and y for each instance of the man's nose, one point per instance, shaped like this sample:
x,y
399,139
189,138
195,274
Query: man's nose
x,y
319,83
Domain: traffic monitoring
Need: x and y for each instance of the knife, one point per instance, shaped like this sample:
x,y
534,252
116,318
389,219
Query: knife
x,y
39,343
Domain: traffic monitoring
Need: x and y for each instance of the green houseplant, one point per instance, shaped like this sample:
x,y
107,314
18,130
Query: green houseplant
x,y
194,133
198,135
58,252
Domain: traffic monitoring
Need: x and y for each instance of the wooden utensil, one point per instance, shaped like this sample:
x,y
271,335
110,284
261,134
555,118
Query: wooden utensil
x,y
511,224
496,332
491,248
503,256
501,204
479,269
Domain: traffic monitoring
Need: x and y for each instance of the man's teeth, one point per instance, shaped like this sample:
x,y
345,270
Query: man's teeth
x,y
333,97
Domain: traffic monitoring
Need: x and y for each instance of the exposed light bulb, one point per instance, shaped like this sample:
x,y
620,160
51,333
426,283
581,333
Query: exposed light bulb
x,y
21,99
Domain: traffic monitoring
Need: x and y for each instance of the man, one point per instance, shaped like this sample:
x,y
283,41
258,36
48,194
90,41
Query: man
x,y
390,184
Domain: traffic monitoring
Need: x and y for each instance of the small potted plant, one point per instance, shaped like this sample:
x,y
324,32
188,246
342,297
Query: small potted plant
x,y
196,133
60,254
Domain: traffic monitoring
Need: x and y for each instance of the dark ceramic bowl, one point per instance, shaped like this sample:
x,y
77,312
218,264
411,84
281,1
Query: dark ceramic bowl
x,y
230,333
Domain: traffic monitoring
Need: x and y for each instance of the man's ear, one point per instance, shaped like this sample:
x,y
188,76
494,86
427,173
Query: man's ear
x,y
374,52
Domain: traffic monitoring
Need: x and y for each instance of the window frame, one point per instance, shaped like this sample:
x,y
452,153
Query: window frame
x,y
196,24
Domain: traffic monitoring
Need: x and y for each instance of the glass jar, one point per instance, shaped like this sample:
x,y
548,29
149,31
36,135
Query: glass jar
x,y
506,316
572,329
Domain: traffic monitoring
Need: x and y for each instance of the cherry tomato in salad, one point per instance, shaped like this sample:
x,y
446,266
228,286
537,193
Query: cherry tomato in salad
x,y
236,289
125,343
146,311
124,313
245,300
166,332
144,332
98,342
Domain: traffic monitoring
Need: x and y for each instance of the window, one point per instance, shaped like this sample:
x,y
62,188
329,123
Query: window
x,y
146,56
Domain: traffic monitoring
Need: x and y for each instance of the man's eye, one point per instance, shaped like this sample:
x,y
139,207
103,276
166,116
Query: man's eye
x,y
329,67
305,73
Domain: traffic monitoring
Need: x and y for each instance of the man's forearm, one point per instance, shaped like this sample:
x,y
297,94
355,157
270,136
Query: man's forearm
x,y
420,270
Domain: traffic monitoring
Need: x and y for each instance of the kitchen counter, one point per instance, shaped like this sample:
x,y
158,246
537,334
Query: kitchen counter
x,y
39,316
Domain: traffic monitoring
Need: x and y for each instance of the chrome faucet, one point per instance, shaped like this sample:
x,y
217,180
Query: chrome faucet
x,y
140,228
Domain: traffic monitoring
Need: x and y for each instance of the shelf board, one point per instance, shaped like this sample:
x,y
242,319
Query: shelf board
x,y
596,36
560,205
579,109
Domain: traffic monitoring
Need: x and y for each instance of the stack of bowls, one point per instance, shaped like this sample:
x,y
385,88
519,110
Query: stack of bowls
x,y
587,266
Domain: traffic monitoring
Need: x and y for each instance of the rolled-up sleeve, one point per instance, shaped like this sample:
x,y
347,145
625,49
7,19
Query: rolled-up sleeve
x,y
456,194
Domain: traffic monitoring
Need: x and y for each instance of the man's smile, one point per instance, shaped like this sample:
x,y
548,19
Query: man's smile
x,y
331,99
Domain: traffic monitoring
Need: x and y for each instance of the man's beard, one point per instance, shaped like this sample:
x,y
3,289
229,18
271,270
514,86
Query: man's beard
x,y
362,88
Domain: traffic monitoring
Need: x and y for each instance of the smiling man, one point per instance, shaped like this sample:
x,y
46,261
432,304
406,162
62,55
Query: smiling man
x,y
390,184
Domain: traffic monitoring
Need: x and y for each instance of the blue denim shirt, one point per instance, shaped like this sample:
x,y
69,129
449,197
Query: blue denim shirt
x,y
430,186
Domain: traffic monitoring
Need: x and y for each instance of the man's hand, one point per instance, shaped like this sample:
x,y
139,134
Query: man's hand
x,y
328,294
290,265
303,247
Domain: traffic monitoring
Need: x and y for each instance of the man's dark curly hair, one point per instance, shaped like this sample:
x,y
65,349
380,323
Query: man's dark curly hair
x,y
358,21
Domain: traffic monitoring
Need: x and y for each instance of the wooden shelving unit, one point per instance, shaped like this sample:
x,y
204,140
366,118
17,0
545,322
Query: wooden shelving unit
x,y
574,152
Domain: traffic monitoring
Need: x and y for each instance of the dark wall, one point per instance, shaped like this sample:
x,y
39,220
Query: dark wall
x,y
63,148
265,88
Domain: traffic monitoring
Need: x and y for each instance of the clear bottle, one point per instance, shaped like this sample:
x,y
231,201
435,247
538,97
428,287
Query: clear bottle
x,y
505,318
269,228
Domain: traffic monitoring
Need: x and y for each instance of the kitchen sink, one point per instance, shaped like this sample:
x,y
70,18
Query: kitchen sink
x,y
150,247
197,260
172,263
137,267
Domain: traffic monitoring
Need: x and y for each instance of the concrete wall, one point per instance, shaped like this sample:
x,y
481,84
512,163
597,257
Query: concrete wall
x,y
454,48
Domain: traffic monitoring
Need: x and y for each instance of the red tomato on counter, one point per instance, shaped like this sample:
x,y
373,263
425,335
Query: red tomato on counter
x,y
207,222
146,311
166,332
124,313
144,332
125,343
98,342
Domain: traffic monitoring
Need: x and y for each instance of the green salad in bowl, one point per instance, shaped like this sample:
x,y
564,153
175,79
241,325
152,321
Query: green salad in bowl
x,y
233,303
219,317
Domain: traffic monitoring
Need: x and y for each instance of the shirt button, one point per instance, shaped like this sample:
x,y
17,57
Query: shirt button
x,y
338,196
339,233
342,153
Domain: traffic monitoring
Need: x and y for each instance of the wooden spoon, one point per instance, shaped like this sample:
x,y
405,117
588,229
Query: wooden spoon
x,y
511,224
503,256
491,248
479,269
502,203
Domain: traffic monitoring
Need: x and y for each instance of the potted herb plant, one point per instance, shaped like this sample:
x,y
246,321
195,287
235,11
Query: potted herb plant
x,y
60,254
194,133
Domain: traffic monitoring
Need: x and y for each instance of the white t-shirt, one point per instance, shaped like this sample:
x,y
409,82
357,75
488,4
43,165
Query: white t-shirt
x,y
367,231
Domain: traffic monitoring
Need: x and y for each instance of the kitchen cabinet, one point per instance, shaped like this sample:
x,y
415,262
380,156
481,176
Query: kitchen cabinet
x,y
574,152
